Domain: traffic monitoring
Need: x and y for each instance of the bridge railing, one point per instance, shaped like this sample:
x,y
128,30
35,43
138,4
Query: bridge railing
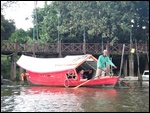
x,y
72,47
69,48
48,47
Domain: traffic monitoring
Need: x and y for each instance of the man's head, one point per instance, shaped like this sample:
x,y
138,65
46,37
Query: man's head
x,y
105,52
82,71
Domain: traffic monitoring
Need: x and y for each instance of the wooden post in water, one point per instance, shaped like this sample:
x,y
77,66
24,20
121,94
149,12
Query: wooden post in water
x,y
146,66
21,71
121,64
131,65
131,62
147,54
12,68
139,75
125,68
15,56
13,62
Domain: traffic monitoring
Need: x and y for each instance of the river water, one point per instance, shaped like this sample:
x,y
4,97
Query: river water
x,y
18,97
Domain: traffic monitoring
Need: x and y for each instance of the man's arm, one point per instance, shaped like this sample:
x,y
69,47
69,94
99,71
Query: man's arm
x,y
110,62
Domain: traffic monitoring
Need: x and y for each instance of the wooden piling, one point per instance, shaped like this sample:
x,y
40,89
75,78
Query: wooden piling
x,y
13,62
21,71
125,68
139,75
146,66
33,49
131,65
12,68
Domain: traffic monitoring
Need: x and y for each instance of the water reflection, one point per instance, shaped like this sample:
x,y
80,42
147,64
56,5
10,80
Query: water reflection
x,y
62,99
18,98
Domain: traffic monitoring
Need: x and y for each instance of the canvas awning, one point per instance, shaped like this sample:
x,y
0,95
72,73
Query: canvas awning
x,y
43,65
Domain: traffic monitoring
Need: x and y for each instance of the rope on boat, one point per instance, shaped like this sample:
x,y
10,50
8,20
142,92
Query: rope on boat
x,y
66,83
71,74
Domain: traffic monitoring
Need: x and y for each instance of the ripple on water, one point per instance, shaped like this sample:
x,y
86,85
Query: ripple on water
x,y
46,99
46,102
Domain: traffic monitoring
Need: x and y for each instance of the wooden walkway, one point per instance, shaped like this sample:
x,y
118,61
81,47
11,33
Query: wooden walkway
x,y
67,48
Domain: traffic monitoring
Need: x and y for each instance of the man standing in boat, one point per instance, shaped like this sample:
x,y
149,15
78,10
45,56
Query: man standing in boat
x,y
101,64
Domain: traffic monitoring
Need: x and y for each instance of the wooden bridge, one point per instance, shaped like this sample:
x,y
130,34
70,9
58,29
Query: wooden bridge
x,y
67,48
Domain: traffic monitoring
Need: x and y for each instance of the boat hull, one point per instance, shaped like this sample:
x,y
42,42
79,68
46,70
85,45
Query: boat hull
x,y
48,79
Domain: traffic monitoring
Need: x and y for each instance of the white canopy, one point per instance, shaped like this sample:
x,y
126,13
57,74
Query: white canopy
x,y
52,64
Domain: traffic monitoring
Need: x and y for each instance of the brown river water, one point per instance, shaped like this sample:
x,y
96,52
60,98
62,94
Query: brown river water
x,y
18,97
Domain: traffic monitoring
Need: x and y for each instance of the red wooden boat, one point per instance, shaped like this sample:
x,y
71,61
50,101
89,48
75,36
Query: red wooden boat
x,y
63,71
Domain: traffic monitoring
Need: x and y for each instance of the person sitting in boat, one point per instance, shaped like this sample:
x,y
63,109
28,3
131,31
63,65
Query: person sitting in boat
x,y
81,75
101,64
88,73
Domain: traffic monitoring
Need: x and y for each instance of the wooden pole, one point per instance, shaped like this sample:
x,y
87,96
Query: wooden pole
x,y
147,53
36,21
122,59
131,65
21,71
59,49
84,43
125,68
13,62
107,47
139,76
33,48
12,68
125,84
107,64
84,50
15,56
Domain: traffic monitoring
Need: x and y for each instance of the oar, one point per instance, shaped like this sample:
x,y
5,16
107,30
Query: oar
x,y
125,83
81,84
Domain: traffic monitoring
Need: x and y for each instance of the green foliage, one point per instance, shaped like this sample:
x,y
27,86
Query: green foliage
x,y
107,19
110,20
19,35
7,4
5,67
7,28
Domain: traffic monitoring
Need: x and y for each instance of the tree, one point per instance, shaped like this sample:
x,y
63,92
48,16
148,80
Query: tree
x,y
110,20
7,28
6,4
19,35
